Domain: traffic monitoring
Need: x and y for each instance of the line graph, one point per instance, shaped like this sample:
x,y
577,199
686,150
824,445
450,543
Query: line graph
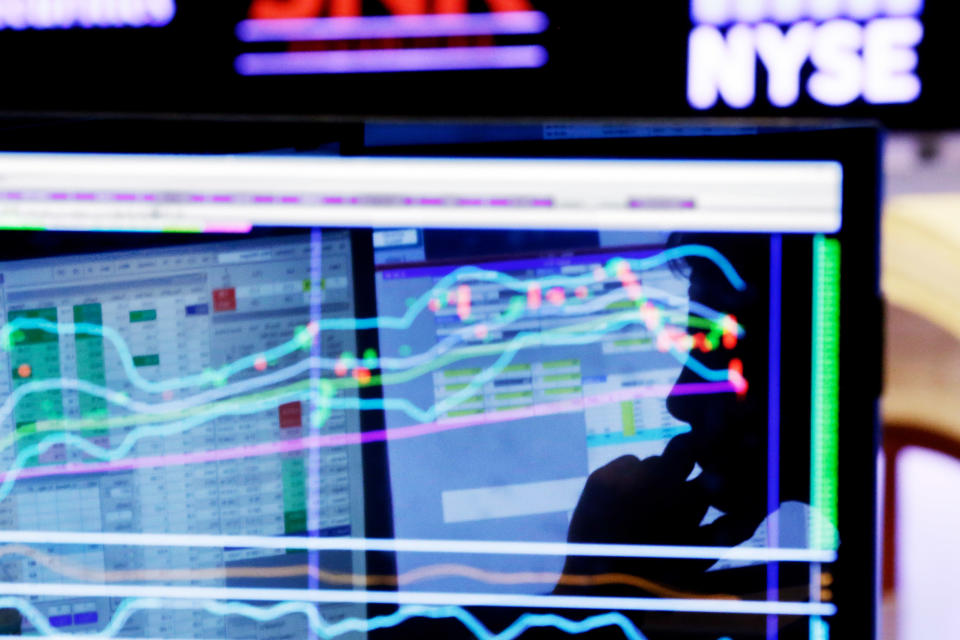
x,y
66,568
328,388
324,629
562,311
179,416
614,268
328,630
117,462
301,340
414,365
566,336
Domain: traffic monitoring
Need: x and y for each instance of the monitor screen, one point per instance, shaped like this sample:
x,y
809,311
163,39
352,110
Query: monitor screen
x,y
568,394
170,393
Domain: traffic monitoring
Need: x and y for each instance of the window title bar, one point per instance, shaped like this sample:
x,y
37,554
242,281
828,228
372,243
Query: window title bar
x,y
227,193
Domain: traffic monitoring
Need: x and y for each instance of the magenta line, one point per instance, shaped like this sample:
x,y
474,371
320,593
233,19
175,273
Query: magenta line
x,y
403,26
390,60
397,433
228,227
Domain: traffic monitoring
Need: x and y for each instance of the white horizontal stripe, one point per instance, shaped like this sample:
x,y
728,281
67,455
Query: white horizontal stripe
x,y
507,501
419,546
762,607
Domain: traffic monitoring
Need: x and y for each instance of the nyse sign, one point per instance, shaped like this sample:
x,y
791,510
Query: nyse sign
x,y
837,51
42,15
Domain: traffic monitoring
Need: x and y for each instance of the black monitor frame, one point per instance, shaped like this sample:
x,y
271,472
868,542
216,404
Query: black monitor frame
x,y
857,148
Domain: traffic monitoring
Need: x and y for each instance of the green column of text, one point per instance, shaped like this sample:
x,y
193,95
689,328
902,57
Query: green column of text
x,y
90,364
825,392
629,419
294,474
35,355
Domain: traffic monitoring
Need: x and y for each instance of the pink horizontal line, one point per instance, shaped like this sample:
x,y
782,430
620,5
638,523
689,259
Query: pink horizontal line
x,y
397,433
403,26
228,227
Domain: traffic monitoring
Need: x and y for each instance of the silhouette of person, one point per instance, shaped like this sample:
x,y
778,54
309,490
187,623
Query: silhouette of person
x,y
719,466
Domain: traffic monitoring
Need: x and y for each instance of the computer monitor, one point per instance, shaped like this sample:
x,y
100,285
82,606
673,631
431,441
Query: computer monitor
x,y
606,388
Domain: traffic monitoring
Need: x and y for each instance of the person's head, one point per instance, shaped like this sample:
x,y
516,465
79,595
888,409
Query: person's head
x,y
729,429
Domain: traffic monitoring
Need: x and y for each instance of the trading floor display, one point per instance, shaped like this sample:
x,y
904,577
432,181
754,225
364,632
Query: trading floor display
x,y
421,397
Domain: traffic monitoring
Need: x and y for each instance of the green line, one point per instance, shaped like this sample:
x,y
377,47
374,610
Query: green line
x,y
335,385
463,412
562,377
561,364
459,373
143,315
514,395
149,360
628,418
183,230
350,383
562,391
151,418
514,368
825,391
639,342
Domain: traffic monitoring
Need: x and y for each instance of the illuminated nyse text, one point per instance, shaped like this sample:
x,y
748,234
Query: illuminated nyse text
x,y
66,14
838,51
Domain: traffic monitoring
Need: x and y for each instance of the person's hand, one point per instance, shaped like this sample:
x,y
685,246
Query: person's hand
x,y
648,502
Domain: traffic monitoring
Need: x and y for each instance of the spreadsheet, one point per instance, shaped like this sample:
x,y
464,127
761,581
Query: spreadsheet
x,y
178,314
539,451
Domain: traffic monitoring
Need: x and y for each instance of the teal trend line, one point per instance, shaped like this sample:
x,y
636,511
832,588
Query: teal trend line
x,y
327,630
38,386
304,337
326,401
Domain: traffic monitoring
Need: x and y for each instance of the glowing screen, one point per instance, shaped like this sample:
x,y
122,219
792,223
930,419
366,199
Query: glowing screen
x,y
419,431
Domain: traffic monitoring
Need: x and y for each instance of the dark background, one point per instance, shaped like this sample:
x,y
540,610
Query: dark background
x,y
607,59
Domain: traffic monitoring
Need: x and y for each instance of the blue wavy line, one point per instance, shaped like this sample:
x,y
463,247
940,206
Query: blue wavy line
x,y
327,630
303,339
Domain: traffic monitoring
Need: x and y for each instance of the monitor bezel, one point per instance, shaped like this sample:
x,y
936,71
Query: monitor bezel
x,y
856,148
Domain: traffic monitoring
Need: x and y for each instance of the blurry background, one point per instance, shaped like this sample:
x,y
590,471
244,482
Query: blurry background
x,y
921,407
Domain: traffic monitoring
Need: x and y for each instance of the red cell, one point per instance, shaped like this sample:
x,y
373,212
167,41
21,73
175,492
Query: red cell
x,y
291,415
730,330
700,341
362,375
736,378
224,300
463,301
534,296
